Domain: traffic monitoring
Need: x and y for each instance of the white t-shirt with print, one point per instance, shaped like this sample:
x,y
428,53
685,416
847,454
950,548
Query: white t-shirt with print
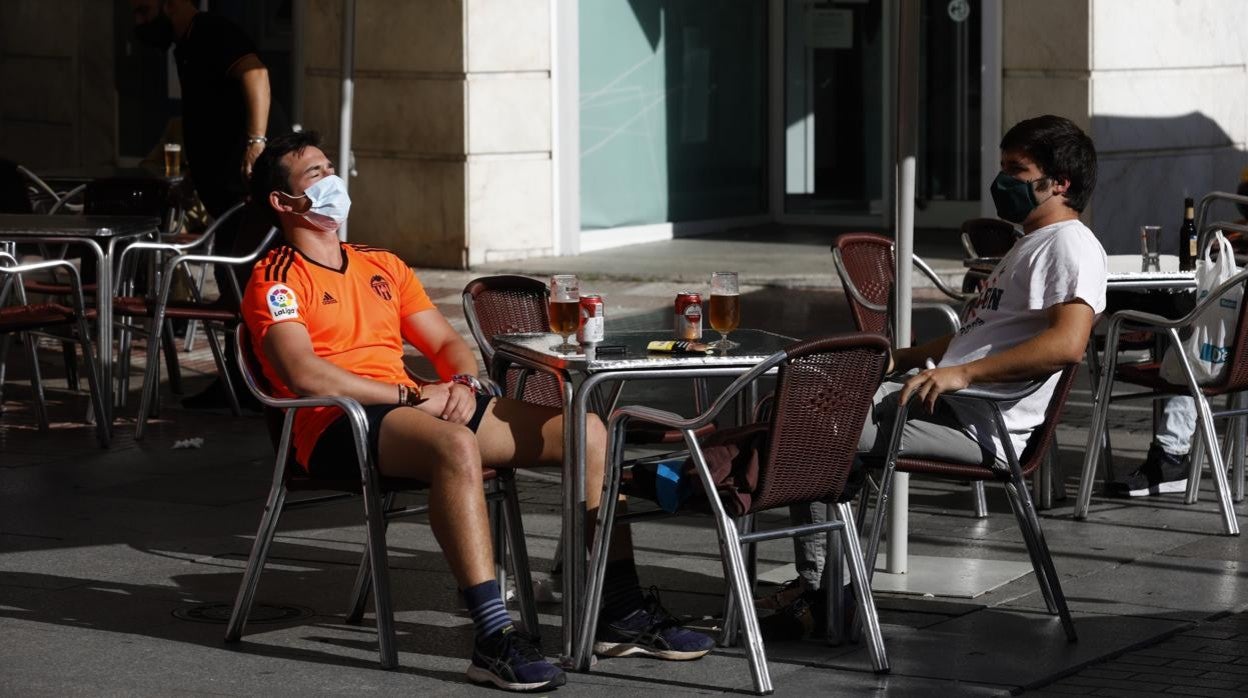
x,y
1052,265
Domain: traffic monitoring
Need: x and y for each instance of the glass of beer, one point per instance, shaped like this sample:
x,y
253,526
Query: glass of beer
x,y
565,297
725,308
173,159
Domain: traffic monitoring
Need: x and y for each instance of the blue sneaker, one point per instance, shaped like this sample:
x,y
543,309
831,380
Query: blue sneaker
x,y
508,659
650,631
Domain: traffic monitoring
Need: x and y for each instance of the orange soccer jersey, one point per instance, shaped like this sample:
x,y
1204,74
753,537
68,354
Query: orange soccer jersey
x,y
353,316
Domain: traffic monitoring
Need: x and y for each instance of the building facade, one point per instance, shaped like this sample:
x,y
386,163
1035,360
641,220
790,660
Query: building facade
x,y
487,130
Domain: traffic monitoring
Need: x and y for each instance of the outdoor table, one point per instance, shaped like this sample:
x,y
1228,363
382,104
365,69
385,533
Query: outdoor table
x,y
73,176
91,232
533,351
1126,275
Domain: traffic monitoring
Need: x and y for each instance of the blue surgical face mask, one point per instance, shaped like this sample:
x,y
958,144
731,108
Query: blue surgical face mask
x,y
329,203
1015,199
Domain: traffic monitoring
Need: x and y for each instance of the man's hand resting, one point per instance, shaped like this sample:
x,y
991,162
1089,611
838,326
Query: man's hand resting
x,y
929,384
452,402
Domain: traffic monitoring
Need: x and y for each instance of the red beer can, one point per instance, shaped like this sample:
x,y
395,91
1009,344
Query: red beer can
x,y
593,320
688,315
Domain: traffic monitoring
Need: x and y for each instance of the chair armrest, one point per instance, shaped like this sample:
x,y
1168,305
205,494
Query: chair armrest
x,y
950,315
848,284
75,281
939,282
973,393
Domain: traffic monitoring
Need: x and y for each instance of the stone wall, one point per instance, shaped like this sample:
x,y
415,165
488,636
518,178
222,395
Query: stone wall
x,y
56,64
452,124
1161,86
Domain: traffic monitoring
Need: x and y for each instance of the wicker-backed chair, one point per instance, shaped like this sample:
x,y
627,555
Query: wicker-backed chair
x,y
824,390
1148,375
222,311
867,267
24,317
378,495
1013,478
986,241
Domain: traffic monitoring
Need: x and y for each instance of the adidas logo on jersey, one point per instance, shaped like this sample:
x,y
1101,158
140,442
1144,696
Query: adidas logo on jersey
x,y
327,299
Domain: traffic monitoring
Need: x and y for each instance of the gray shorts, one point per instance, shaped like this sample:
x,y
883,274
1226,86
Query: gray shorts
x,y
939,435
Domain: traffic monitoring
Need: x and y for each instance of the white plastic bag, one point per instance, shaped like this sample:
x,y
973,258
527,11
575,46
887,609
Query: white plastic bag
x,y
1213,331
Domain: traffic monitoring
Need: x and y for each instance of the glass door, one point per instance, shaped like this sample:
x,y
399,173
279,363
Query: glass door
x,y
834,79
838,84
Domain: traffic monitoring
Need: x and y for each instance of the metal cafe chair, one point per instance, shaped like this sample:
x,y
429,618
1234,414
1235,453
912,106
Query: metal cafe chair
x,y
1013,478
986,241
1148,375
824,390
223,312
378,493
25,317
866,265
157,252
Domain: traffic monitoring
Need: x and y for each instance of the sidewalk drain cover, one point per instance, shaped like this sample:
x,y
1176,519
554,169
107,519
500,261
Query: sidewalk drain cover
x,y
260,613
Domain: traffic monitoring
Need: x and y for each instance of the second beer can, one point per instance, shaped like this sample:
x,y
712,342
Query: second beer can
x,y
688,315
593,320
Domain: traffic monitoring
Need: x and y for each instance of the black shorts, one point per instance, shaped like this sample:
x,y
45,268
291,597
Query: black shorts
x,y
333,456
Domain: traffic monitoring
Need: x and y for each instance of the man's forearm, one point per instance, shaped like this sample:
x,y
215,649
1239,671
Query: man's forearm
x,y
1039,357
915,357
454,359
255,84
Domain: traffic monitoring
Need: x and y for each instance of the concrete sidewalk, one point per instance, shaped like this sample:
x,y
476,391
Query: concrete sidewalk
x,y
117,567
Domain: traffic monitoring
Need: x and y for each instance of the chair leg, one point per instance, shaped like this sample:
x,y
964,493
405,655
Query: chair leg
x,y
1042,559
222,371
5,342
584,643
151,377
981,500
103,427
498,538
519,549
1196,470
833,580
867,615
255,562
734,567
1230,523
69,355
363,576
387,649
730,629
36,381
1029,541
172,368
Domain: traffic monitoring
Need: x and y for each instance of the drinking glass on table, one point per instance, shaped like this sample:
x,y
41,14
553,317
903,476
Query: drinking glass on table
x,y
725,308
1150,253
565,297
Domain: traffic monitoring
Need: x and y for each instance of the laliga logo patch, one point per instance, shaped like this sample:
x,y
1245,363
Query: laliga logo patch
x,y
282,303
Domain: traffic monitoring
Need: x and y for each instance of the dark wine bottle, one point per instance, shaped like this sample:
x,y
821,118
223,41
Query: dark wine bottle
x,y
1187,237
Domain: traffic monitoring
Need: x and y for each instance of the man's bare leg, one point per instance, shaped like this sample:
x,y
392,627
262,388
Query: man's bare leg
x,y
416,445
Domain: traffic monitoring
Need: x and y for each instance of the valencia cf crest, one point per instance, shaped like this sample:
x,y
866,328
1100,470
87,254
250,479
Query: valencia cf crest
x,y
380,286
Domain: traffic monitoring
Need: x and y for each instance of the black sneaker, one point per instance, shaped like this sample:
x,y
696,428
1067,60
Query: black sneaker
x,y
1160,473
650,632
508,659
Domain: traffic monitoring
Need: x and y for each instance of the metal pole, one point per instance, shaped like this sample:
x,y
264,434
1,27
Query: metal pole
x,y
906,138
348,99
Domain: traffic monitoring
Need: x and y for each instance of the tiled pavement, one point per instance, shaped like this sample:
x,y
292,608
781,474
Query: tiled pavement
x,y
101,552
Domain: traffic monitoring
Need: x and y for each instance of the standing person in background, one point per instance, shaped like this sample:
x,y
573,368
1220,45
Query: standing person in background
x,y
226,122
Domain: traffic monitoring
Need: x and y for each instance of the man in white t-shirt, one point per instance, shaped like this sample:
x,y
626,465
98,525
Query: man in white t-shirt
x,y
1032,319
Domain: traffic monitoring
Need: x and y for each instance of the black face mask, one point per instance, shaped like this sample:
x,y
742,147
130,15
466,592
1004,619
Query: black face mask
x,y
157,33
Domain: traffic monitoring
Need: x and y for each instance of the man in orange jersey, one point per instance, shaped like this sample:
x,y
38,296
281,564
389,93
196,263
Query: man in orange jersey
x,y
329,318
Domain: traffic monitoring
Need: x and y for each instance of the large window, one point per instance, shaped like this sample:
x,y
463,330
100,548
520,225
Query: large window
x,y
673,110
